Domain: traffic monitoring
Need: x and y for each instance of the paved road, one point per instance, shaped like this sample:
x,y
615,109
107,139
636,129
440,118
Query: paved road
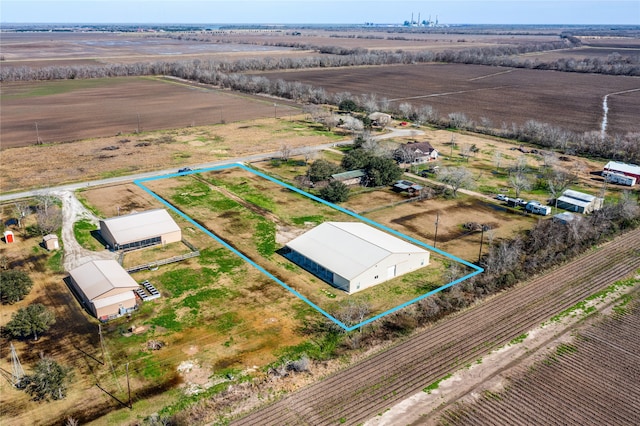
x,y
394,133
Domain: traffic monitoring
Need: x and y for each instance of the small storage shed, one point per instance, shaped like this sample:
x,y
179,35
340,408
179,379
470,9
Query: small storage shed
x,y
564,217
104,288
50,242
353,256
352,177
8,237
139,230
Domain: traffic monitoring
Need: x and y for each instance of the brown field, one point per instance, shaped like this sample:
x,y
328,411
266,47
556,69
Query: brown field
x,y
504,95
78,109
42,49
593,380
368,388
133,153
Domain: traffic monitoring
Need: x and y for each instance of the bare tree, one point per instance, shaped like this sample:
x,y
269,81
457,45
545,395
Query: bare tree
x,y
352,124
308,154
497,159
285,152
456,178
452,273
560,180
352,312
520,182
21,209
466,151
406,109
49,219
45,200
369,102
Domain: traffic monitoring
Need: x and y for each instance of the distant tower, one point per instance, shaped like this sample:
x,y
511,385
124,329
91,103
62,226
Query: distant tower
x,y
419,20
17,373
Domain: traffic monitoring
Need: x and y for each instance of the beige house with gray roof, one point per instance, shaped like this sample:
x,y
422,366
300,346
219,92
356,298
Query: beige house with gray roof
x,y
104,288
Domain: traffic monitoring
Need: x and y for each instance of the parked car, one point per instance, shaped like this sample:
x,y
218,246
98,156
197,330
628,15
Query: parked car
x,y
501,197
184,170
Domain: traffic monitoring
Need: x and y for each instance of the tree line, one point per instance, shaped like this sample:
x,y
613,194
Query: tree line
x,y
336,56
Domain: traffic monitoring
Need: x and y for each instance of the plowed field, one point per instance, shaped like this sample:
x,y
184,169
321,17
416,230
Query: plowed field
x,y
69,110
361,391
571,101
593,381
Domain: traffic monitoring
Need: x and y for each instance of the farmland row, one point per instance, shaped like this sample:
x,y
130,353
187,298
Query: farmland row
x,y
378,382
444,335
595,380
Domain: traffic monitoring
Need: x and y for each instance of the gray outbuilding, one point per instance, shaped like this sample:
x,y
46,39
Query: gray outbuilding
x,y
579,202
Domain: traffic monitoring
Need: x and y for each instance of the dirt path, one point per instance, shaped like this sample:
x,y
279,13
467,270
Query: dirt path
x,y
73,211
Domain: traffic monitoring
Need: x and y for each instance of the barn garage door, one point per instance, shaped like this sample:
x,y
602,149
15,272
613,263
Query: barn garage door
x,y
391,272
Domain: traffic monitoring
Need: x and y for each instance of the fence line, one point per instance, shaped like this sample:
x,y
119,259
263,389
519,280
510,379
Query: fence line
x,y
157,263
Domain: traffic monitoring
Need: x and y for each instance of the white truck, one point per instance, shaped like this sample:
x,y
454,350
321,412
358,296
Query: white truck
x,y
619,178
537,208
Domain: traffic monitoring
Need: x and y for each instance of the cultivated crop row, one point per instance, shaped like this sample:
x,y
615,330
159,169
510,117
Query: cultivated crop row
x,y
594,380
359,392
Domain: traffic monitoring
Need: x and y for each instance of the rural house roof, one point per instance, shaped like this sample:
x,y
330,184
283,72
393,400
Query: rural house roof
x,y
420,147
140,226
103,279
622,167
576,195
406,185
348,175
49,237
349,248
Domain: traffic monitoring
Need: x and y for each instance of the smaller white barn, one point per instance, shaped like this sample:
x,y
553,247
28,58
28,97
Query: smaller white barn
x,y
579,202
353,256
138,230
104,288
630,170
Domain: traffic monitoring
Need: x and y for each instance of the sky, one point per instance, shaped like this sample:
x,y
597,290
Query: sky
x,y
567,12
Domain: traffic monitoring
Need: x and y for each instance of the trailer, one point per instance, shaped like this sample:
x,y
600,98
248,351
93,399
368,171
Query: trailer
x,y
619,178
536,208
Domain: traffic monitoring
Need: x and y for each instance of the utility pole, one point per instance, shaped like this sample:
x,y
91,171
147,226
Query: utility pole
x,y
275,110
481,240
453,142
101,342
129,387
435,236
38,140
138,129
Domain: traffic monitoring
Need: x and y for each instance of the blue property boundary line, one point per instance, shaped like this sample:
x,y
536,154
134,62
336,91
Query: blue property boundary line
x,y
476,269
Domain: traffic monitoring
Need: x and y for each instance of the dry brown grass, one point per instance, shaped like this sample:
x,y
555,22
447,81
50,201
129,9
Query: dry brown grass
x,y
49,165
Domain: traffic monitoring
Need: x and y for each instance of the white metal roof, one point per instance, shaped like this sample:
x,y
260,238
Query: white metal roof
x,y
622,167
99,277
578,195
349,248
140,226
574,201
